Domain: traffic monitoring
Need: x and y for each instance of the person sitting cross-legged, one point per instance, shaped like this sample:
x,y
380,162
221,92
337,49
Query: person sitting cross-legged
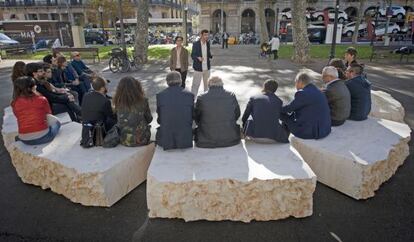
x,y
308,115
175,115
96,107
133,112
36,124
84,72
265,112
216,113
339,98
360,89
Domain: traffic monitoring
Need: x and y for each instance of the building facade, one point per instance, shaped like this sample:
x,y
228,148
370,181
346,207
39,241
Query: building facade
x,y
241,16
70,10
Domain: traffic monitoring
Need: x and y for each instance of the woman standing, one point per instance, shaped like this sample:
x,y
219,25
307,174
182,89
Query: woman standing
x,y
35,123
179,59
133,112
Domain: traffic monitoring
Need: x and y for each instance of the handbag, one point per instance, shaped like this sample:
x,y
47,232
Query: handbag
x,y
92,135
112,138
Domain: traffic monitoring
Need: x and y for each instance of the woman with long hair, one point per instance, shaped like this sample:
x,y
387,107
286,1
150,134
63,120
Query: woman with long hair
x,y
18,70
133,112
36,124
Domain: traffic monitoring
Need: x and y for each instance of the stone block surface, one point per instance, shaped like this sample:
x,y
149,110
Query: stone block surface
x,y
10,128
357,157
92,177
386,107
241,183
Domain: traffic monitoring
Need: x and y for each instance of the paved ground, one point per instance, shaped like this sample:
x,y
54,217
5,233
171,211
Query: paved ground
x,y
28,213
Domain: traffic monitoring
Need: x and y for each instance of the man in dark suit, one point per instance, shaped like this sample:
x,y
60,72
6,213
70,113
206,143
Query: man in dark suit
x,y
265,112
201,56
360,89
339,98
96,107
175,115
225,39
308,115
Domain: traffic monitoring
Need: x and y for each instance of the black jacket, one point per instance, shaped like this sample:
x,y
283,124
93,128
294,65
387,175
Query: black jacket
x,y
175,108
96,107
52,97
197,52
360,90
216,115
265,111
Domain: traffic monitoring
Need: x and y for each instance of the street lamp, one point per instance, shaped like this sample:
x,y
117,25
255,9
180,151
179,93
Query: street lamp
x,y
121,22
185,7
101,10
335,29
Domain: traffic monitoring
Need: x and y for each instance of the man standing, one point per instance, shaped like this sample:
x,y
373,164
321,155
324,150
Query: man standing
x,y
339,98
216,113
179,59
274,43
225,38
201,56
307,116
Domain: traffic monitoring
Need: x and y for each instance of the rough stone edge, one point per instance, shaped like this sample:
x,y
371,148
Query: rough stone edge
x,y
246,213
375,95
373,176
60,179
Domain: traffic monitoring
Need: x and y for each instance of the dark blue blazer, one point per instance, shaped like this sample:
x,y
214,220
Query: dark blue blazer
x,y
175,107
311,117
360,89
265,110
196,52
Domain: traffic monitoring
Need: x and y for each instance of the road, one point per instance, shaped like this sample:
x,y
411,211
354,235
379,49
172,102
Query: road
x,y
28,213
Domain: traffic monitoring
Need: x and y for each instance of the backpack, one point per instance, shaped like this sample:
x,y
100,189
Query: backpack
x,y
92,134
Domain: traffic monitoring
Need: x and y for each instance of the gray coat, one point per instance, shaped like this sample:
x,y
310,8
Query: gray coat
x,y
339,100
216,114
175,116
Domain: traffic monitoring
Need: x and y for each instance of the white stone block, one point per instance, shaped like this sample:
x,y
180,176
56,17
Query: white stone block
x,y
357,157
386,107
242,183
10,128
92,177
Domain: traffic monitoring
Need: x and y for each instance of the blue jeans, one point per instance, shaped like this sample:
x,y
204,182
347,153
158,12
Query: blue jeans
x,y
53,131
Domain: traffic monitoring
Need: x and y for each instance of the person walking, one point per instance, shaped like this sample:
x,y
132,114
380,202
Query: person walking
x,y
275,43
225,39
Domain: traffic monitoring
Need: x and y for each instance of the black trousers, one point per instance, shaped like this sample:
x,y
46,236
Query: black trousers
x,y
275,56
183,77
225,43
71,108
337,122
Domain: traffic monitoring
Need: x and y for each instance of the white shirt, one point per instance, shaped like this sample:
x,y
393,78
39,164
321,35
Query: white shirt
x,y
178,63
275,42
204,55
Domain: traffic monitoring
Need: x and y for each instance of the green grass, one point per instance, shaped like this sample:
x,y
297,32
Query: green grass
x,y
159,52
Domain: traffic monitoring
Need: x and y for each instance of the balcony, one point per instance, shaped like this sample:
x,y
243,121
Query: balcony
x,y
41,3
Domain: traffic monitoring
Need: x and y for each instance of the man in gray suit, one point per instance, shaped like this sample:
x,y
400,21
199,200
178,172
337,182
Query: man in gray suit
x,y
339,98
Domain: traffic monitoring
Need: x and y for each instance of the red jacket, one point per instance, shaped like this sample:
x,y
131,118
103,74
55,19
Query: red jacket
x,y
31,113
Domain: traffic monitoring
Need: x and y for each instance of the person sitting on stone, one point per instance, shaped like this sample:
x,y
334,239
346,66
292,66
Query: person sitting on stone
x,y
339,98
133,112
265,110
48,77
36,124
175,115
84,72
340,67
96,107
350,56
308,115
216,113
18,70
360,89
59,102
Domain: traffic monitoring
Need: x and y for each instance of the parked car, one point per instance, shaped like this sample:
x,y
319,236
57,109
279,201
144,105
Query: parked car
x,y
342,16
349,28
393,28
94,37
6,40
288,15
397,11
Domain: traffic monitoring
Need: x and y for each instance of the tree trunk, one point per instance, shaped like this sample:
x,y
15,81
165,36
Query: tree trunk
x,y
300,34
264,35
141,31
358,21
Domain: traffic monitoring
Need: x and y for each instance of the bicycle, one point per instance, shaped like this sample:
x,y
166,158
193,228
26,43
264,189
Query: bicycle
x,y
120,61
